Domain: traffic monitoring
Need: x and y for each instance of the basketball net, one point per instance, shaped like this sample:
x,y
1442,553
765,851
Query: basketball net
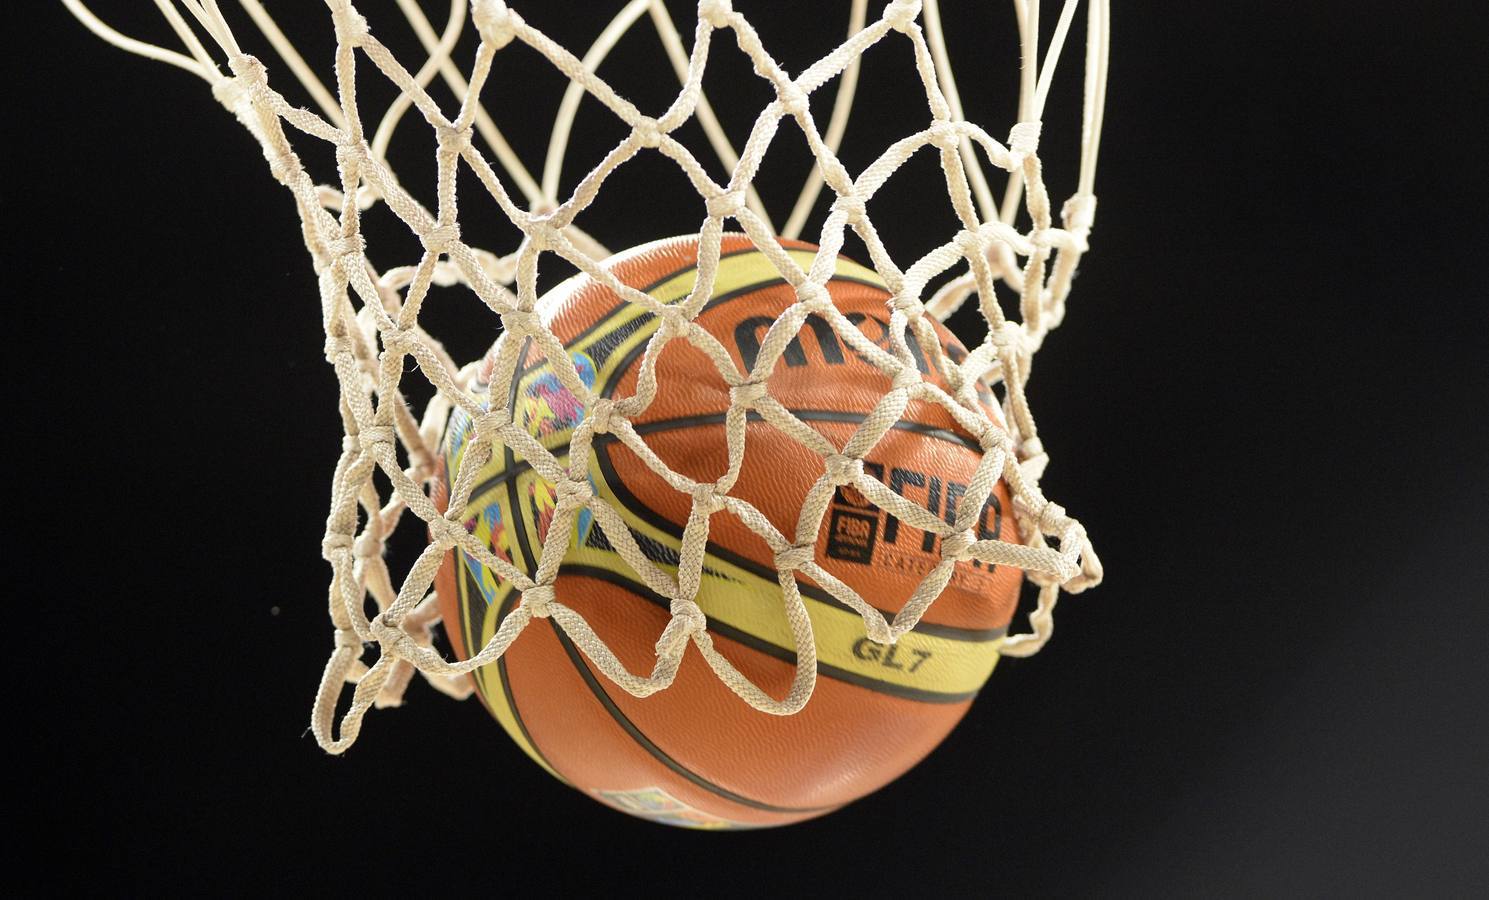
x,y
372,325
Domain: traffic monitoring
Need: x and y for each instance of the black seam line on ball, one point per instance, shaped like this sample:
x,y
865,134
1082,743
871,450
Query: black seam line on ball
x,y
658,753
506,683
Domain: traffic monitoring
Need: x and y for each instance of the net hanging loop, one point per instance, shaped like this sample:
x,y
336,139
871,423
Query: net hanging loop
x,y
374,336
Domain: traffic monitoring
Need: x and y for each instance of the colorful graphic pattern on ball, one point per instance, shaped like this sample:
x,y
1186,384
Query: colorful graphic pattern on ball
x,y
546,408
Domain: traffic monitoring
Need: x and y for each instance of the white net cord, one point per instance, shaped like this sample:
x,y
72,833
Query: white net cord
x,y
372,318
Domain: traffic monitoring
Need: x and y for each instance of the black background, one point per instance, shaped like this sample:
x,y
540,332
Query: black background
x,y
1267,405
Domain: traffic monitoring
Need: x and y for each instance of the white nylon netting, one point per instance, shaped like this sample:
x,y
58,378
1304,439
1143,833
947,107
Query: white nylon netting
x,y
372,324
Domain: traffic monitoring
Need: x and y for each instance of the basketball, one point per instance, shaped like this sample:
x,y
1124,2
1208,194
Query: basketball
x,y
695,754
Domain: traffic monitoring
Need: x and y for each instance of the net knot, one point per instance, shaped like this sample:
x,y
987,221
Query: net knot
x,y
906,378
248,70
901,14
815,297
1079,212
648,133
793,100
444,533
400,340
943,135
391,637
521,321
852,205
282,165
727,205
573,492
687,620
691,612
992,438
538,600
373,436
957,545
674,324
794,556
334,541
441,238
1009,334
337,344
489,425
453,139
347,245
747,394
601,415
351,26
1023,139
971,243
843,470
350,154
715,12
348,639
707,498
909,304
496,24
542,233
